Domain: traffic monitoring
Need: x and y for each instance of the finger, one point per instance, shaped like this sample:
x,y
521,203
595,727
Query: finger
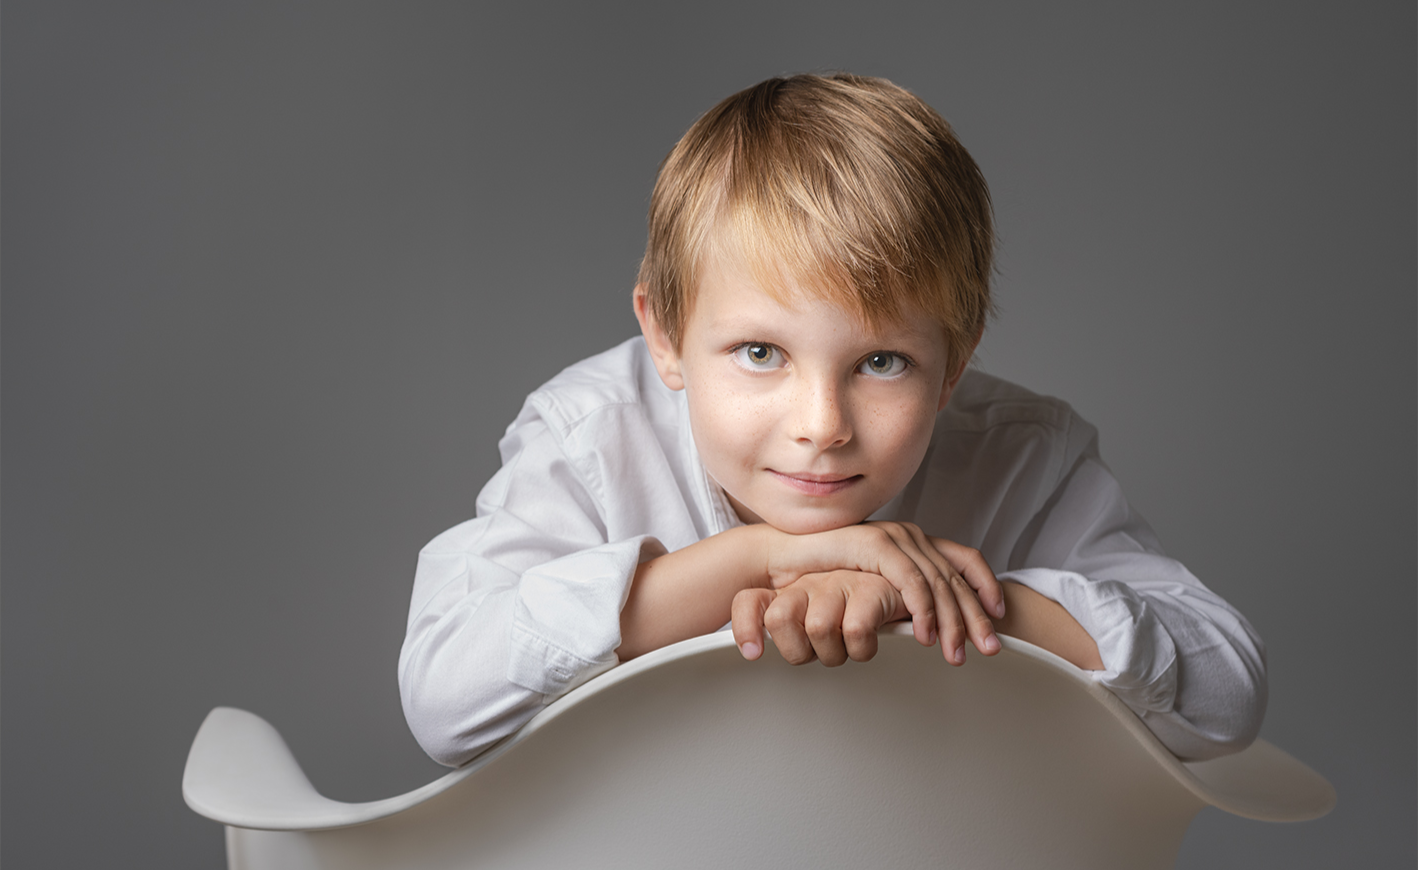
x,y
869,607
978,626
784,621
952,626
747,614
976,571
977,623
889,560
941,571
823,623
942,577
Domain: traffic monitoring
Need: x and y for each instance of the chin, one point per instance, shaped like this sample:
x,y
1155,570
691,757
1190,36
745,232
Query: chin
x,y
808,522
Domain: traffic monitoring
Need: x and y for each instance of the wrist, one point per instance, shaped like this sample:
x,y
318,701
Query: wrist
x,y
760,551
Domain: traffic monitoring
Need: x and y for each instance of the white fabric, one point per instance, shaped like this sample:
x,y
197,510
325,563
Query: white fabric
x,y
600,472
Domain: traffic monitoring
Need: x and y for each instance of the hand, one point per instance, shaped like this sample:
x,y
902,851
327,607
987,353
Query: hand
x,y
942,584
832,617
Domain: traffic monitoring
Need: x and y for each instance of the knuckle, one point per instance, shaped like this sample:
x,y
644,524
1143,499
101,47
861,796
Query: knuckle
x,y
776,620
819,628
747,598
952,622
855,631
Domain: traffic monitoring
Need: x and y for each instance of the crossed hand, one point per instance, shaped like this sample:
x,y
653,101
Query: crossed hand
x,y
830,592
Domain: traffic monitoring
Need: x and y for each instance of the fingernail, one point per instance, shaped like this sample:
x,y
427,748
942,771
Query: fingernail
x,y
960,654
991,644
999,610
751,650
930,639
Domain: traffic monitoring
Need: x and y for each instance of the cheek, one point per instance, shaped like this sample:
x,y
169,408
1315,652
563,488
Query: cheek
x,y
903,432
728,429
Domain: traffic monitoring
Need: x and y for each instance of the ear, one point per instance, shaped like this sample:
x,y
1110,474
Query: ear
x,y
949,386
662,350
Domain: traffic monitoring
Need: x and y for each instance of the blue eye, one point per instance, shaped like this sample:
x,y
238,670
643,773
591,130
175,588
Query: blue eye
x,y
883,364
757,356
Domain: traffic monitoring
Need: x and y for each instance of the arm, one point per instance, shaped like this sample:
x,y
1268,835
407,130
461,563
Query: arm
x,y
516,607
1046,624
689,592
692,590
551,585
834,616
1189,665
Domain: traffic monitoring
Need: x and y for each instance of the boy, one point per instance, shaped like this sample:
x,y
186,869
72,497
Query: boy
x,y
796,443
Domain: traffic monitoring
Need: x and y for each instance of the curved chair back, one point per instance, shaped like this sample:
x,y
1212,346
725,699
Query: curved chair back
x,y
693,757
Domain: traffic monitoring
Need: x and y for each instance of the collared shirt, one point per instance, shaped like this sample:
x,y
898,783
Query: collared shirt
x,y
514,608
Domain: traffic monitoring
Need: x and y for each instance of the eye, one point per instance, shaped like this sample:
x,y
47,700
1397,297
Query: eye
x,y
883,364
758,356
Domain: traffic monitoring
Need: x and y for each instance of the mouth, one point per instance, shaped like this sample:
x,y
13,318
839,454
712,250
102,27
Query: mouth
x,y
817,484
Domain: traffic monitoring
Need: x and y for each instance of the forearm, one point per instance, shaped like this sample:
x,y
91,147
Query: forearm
x,y
690,592
1045,623
453,709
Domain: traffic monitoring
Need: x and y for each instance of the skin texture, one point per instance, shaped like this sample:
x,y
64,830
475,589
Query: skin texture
x,y
811,421
809,437
1044,623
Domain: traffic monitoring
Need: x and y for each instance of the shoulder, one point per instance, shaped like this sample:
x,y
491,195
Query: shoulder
x,y
620,380
998,454
995,414
982,401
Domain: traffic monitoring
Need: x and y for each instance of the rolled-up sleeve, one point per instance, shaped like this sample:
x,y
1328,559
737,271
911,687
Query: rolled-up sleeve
x,y
1186,662
515,607
566,619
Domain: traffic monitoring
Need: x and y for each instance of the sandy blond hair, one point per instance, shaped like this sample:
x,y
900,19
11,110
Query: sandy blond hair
x,y
851,187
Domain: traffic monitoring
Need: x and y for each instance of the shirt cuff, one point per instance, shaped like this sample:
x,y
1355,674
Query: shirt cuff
x,y
1139,658
566,621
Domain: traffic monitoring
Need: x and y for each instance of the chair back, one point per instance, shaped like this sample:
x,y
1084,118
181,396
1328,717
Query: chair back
x,y
692,757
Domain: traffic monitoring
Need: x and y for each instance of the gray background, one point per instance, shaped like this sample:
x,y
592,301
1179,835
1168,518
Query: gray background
x,y
276,276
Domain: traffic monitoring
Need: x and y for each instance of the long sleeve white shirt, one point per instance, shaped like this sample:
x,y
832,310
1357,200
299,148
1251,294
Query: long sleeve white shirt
x,y
514,608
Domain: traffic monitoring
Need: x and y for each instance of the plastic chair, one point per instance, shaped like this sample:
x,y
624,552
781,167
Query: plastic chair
x,y
692,757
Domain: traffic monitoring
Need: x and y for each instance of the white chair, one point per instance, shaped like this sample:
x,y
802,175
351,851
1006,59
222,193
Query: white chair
x,y
692,757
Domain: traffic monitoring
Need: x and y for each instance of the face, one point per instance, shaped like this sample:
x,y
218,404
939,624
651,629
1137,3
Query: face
x,y
806,417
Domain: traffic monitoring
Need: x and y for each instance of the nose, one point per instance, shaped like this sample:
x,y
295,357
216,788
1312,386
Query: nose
x,y
820,419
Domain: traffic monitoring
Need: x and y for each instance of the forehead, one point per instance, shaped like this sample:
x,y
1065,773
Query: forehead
x,y
733,297
796,264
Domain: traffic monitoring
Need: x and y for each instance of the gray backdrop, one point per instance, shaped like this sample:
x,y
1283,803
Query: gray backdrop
x,y
276,275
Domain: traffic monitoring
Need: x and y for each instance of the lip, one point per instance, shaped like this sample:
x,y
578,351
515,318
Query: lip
x,y
817,484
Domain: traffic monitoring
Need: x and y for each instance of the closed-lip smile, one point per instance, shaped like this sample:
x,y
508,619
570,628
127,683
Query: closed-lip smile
x,y
816,484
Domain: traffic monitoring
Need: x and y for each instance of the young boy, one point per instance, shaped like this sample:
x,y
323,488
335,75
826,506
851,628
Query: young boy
x,y
796,443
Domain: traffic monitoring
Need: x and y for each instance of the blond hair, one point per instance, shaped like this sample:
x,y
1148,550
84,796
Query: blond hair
x,y
851,187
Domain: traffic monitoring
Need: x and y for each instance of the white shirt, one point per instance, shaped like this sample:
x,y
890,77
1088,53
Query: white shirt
x,y
518,606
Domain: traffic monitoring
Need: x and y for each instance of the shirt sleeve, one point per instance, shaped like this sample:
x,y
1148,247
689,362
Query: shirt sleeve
x,y
516,607
1186,662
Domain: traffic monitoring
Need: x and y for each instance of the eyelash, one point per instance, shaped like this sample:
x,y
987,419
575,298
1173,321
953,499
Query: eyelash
x,y
738,355
904,360
738,350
